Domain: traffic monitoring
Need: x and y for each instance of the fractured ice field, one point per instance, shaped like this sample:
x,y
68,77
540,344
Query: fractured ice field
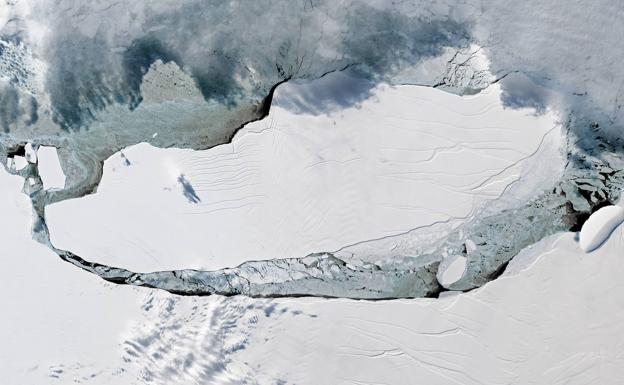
x,y
296,183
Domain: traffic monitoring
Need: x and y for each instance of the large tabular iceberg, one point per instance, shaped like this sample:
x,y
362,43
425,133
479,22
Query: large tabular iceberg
x,y
406,157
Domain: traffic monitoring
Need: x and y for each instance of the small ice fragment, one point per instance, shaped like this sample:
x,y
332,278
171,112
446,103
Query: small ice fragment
x,y
470,246
155,135
599,226
446,294
31,153
451,270
19,162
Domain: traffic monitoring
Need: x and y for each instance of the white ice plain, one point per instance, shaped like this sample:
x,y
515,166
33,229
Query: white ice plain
x,y
293,184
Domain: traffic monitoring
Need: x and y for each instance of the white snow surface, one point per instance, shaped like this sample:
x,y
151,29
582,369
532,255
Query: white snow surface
x,y
599,226
293,184
50,169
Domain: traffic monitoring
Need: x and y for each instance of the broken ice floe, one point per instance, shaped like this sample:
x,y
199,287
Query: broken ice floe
x,y
31,153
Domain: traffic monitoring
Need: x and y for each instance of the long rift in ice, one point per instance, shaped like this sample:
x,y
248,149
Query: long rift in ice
x,y
319,274
487,243
484,244
499,238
